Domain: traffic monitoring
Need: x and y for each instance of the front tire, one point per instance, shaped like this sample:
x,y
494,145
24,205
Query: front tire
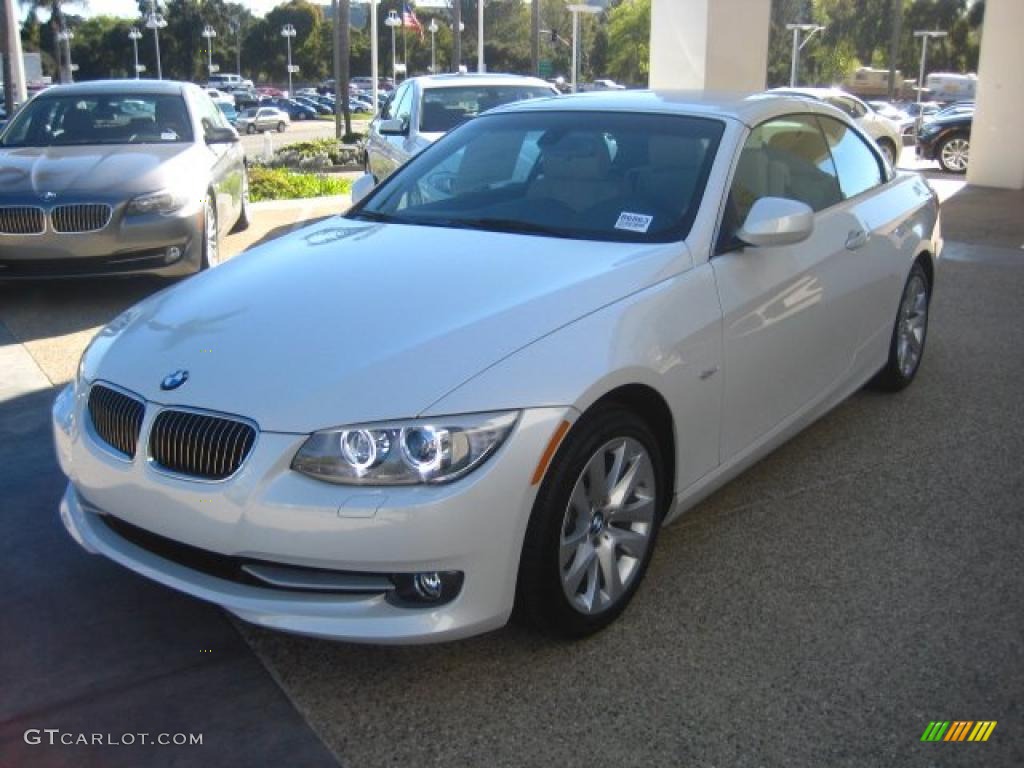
x,y
908,335
593,526
954,153
211,234
280,127
250,129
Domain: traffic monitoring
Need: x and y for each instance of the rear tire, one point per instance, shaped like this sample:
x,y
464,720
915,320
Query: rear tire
x,y
280,127
906,349
250,129
593,527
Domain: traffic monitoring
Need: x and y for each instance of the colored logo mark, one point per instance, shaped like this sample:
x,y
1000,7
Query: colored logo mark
x,y
958,730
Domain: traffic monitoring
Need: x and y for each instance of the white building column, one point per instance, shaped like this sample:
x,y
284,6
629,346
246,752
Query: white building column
x,y
997,152
719,45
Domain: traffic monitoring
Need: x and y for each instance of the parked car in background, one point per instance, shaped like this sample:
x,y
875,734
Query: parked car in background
x,y
294,109
319,107
226,81
885,132
904,121
603,311
119,177
603,84
262,118
947,139
422,109
229,112
220,97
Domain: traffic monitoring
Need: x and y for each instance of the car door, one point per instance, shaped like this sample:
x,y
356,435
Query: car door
x,y
874,286
789,330
394,149
226,163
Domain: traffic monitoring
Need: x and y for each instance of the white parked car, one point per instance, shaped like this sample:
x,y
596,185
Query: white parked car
x,y
221,97
423,109
492,381
887,133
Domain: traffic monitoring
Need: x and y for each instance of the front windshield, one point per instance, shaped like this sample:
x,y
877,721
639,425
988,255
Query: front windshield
x,y
585,175
444,108
107,118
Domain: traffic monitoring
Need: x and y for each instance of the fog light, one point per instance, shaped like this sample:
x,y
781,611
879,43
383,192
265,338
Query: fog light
x,y
428,585
427,588
173,254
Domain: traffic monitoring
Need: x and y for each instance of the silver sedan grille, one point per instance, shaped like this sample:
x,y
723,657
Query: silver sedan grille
x,y
81,217
21,220
116,418
200,445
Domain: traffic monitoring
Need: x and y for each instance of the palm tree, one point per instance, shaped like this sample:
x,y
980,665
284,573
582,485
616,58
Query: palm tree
x,y
56,24
342,48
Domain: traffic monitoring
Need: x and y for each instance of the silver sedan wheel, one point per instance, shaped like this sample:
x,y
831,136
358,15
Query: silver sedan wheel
x,y
212,244
607,526
955,155
913,324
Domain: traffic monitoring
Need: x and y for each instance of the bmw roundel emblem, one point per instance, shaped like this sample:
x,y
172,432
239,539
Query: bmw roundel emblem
x,y
174,380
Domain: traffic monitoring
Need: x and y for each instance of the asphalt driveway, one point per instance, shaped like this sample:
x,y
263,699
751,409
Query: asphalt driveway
x,y
864,580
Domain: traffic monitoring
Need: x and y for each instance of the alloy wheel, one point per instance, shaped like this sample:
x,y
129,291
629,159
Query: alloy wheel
x,y
913,325
608,525
955,155
212,240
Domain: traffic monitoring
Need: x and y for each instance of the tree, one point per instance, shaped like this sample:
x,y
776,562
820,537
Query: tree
x,y
629,41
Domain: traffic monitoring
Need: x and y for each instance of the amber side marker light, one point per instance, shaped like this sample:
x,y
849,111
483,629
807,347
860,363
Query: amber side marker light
x,y
549,452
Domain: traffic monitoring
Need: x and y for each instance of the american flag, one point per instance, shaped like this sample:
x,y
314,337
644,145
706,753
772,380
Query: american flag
x,y
409,19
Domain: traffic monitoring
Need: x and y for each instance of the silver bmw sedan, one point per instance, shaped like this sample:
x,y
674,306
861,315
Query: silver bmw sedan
x,y
118,177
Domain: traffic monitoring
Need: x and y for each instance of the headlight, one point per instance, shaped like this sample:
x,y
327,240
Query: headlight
x,y
164,201
404,453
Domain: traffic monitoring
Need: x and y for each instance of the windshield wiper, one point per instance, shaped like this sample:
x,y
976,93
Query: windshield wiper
x,y
365,215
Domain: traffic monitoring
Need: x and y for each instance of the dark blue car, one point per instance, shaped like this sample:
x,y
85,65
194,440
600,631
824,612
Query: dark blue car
x,y
295,110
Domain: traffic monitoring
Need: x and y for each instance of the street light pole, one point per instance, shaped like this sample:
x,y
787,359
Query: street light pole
x,y
135,35
393,21
374,54
480,66
433,46
209,33
925,36
156,22
576,10
65,36
236,27
288,32
796,29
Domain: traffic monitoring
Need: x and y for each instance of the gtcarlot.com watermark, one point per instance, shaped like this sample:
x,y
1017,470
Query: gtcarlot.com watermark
x,y
55,737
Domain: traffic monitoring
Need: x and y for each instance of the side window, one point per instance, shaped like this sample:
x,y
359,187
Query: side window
x,y
209,113
388,110
403,106
785,157
859,167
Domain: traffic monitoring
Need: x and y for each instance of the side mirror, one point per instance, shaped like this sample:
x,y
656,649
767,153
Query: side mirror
x,y
777,221
392,127
361,187
221,135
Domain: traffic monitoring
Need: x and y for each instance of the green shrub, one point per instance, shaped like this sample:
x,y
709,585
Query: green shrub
x,y
315,155
281,184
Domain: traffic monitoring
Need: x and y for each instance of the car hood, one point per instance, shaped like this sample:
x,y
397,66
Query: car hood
x,y
101,171
348,321
963,118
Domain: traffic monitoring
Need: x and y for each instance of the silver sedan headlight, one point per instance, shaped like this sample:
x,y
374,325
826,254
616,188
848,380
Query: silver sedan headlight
x,y
404,453
164,201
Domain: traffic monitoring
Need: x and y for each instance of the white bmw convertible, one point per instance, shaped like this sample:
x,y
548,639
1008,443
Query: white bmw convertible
x,y
484,389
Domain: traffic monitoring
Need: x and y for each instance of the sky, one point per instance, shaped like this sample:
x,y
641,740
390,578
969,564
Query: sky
x,y
129,9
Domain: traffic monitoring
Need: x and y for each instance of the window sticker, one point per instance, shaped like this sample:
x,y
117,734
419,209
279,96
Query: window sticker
x,y
634,222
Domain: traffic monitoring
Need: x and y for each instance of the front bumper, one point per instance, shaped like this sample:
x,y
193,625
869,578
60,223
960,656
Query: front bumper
x,y
269,513
168,245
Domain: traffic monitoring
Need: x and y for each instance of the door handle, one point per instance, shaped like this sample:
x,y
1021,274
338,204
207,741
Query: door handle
x,y
856,239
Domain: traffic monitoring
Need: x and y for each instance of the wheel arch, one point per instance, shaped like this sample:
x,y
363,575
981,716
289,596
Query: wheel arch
x,y
648,404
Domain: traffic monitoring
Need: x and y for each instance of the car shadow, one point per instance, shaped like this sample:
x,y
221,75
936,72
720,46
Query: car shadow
x,y
286,229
